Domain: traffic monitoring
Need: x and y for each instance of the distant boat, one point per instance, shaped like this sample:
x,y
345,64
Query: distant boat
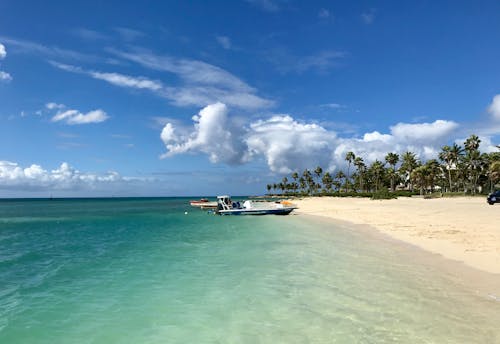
x,y
199,202
203,203
225,206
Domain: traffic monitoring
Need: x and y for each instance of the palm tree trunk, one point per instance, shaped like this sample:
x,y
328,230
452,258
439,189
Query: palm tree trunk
x,y
449,178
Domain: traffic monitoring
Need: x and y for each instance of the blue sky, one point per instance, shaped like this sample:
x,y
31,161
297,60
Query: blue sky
x,y
200,98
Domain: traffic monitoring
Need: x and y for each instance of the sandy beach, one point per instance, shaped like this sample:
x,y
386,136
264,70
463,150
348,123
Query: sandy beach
x,y
464,229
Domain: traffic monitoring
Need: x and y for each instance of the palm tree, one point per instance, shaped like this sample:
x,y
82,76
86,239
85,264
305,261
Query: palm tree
x,y
281,187
446,156
377,170
456,153
327,181
418,178
269,187
494,173
361,167
409,163
433,172
472,143
349,157
473,160
339,176
392,159
302,184
284,181
318,172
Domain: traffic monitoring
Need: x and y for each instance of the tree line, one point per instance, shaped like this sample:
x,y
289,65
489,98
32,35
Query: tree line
x,y
456,169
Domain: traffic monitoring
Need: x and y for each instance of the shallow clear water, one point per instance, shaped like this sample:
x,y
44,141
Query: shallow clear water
x,y
140,271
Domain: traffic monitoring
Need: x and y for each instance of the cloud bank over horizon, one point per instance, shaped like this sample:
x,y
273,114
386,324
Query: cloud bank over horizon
x,y
65,177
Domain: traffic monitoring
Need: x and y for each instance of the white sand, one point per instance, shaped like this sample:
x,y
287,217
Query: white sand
x,y
465,229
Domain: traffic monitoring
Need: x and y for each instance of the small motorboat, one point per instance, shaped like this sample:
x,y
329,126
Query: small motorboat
x,y
225,206
199,202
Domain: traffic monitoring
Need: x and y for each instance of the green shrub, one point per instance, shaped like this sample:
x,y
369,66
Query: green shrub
x,y
384,194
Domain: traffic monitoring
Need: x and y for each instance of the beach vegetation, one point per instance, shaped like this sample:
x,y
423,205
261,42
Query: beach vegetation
x,y
456,170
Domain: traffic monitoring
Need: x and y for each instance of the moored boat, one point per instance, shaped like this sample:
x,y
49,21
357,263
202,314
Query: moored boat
x,y
225,206
199,202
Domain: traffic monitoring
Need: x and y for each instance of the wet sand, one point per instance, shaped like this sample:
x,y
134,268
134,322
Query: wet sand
x,y
464,229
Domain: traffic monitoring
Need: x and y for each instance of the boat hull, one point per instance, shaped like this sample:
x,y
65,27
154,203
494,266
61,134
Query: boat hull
x,y
280,211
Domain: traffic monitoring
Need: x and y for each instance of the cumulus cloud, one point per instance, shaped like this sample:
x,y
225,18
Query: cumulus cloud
x,y
287,144
4,76
3,52
65,177
213,134
72,117
423,132
494,108
52,106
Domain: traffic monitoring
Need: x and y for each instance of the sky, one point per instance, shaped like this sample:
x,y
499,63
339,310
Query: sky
x,y
185,98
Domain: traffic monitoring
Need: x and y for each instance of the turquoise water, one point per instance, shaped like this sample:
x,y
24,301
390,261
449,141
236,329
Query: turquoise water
x,y
141,271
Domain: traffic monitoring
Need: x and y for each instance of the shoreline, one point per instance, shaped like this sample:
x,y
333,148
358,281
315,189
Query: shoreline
x,y
462,229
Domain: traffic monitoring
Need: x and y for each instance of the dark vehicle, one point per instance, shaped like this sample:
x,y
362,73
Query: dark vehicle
x,y
493,197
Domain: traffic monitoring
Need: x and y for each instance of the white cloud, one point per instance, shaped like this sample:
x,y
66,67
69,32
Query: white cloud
x,y
423,133
287,144
65,177
202,83
116,79
128,81
73,117
52,106
3,52
4,76
76,117
191,72
213,135
494,108
376,136
224,41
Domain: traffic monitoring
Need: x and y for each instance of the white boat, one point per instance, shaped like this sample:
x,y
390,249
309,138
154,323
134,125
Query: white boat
x,y
225,206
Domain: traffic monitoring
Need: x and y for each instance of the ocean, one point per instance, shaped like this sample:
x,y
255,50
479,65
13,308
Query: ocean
x,y
143,271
